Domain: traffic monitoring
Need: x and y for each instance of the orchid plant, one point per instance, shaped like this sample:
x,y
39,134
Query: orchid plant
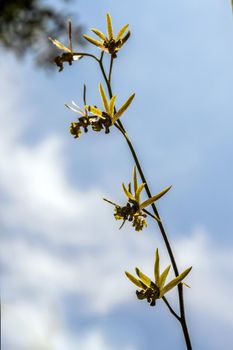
x,y
134,210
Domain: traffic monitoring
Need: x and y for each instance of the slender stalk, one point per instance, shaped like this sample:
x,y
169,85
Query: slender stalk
x,y
121,128
170,308
104,75
110,70
148,213
86,55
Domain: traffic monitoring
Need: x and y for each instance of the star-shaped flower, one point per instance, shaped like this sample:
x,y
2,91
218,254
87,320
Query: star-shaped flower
x,y
153,290
68,53
99,119
109,115
133,210
109,43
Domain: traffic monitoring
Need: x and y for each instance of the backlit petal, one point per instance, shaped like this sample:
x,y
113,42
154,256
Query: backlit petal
x,y
109,26
92,41
59,45
98,33
104,99
121,32
123,108
154,198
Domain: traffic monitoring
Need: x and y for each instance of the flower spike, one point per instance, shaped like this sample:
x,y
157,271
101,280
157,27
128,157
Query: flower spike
x,y
153,290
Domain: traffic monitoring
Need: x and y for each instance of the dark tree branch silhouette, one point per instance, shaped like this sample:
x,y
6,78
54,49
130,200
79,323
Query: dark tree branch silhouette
x,y
26,24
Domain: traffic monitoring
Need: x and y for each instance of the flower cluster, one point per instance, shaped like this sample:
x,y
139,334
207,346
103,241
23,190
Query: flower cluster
x,y
83,122
133,211
109,43
99,119
151,291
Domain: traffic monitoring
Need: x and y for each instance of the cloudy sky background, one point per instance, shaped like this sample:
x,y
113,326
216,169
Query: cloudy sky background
x,y
62,255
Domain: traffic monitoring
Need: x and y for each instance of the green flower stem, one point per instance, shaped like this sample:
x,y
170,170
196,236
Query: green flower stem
x,y
148,213
171,310
119,125
84,54
110,70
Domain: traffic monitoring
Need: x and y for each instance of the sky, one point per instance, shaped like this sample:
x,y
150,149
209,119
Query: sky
x,y
62,255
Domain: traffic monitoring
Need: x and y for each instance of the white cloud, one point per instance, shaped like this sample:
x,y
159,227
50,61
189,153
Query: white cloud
x,y
38,279
40,327
211,276
46,218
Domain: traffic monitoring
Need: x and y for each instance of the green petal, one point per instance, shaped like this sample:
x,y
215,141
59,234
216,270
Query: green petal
x,y
123,108
123,41
82,111
109,26
157,267
137,282
138,192
59,45
104,98
108,201
93,41
127,193
185,284
154,198
74,109
145,279
75,104
121,32
135,180
175,282
112,105
99,33
95,111
163,276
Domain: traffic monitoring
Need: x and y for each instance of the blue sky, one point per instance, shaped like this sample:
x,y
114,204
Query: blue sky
x,y
62,254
